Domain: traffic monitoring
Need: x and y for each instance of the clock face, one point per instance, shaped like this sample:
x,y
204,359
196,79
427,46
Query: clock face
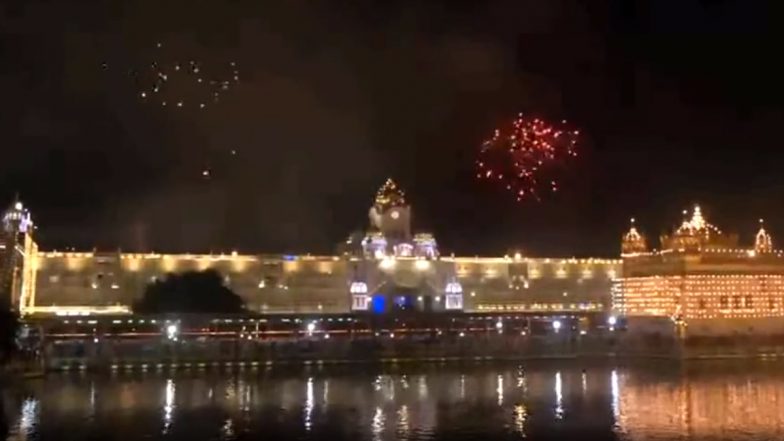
x,y
395,214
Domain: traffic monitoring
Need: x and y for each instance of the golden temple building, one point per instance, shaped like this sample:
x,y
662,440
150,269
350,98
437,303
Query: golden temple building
x,y
701,283
387,268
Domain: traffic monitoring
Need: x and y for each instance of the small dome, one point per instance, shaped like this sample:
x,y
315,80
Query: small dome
x,y
633,241
762,241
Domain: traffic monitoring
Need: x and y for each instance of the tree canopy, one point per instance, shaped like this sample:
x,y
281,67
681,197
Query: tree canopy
x,y
190,292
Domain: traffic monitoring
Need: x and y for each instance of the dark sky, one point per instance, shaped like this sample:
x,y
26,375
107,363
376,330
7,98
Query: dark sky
x,y
678,101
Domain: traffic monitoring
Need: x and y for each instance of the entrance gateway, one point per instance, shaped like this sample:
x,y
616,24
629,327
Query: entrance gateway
x,y
395,270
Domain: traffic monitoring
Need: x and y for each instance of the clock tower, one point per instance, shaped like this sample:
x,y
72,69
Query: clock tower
x,y
390,214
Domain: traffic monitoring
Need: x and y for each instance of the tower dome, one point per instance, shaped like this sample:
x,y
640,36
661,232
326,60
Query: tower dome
x,y
633,241
762,241
389,195
17,219
391,214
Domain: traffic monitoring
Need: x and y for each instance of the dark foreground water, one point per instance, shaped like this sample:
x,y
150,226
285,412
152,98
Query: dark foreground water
x,y
564,401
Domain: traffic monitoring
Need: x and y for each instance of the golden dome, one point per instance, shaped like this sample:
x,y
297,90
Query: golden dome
x,y
390,195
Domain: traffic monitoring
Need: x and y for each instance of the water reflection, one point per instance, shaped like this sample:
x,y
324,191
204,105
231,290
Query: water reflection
x,y
422,387
519,418
737,406
522,382
308,404
584,382
168,407
500,389
29,415
92,400
615,393
377,424
484,402
227,431
325,398
244,388
558,396
403,422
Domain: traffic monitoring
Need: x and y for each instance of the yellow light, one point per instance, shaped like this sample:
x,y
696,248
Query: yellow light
x,y
387,263
422,265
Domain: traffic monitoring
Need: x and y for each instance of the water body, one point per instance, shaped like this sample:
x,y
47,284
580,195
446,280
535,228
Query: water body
x,y
541,401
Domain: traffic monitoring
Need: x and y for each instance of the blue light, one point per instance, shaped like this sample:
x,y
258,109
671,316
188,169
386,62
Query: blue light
x,y
378,304
289,257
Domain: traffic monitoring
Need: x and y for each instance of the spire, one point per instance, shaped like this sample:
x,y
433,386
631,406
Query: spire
x,y
17,202
390,195
685,224
633,241
762,241
697,221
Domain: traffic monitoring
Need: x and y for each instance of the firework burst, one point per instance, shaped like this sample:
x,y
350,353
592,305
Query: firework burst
x,y
525,157
172,81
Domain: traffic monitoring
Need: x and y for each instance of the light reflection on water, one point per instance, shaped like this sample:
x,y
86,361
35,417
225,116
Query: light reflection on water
x,y
168,406
519,418
309,404
467,402
403,423
28,420
500,389
584,382
615,392
377,426
559,410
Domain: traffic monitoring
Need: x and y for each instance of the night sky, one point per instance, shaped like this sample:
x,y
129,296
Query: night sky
x,y
678,102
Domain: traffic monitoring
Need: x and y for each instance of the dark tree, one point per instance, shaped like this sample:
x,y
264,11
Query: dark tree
x,y
9,326
189,292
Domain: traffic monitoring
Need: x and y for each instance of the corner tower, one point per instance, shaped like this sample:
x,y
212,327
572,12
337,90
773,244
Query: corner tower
x,y
763,243
17,255
633,242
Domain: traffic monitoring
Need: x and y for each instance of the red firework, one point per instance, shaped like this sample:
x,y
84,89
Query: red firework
x,y
525,158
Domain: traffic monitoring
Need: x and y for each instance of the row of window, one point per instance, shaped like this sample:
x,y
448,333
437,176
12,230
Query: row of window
x,y
741,302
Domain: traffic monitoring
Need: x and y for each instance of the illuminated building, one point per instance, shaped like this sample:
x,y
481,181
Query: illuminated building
x,y
701,283
386,269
